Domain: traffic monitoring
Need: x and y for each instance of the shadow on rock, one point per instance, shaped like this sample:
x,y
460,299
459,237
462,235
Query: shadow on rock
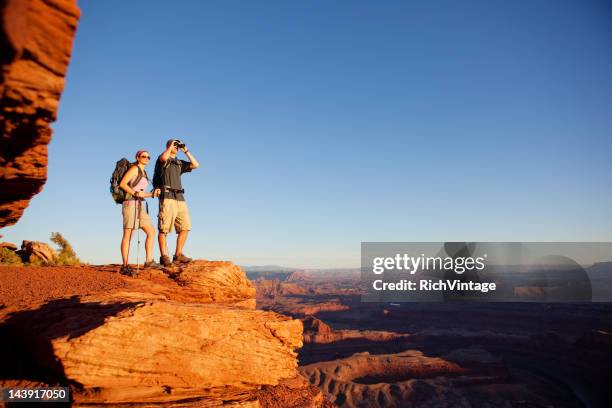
x,y
26,336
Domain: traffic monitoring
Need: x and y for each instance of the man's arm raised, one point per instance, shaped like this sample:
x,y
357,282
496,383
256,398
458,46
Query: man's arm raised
x,y
192,159
166,154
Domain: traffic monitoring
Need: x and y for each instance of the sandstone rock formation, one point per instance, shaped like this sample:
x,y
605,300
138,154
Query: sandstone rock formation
x,y
192,337
518,362
297,276
301,306
35,45
364,380
272,288
306,294
470,377
216,282
316,331
8,245
292,299
34,251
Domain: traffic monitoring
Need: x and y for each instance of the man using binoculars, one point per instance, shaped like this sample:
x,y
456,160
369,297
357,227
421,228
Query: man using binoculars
x,y
173,211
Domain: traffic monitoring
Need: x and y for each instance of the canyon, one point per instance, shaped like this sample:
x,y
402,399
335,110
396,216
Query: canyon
x,y
206,335
446,354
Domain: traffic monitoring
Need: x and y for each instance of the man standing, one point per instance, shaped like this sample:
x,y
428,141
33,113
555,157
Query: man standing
x,y
173,210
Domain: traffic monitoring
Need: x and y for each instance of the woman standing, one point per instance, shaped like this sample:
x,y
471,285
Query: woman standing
x,y
135,215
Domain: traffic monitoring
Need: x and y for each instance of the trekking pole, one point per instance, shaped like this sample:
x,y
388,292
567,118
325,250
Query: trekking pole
x,y
138,203
131,232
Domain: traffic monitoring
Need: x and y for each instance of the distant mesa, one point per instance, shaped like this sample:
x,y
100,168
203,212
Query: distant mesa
x,y
379,380
266,268
297,276
316,331
303,293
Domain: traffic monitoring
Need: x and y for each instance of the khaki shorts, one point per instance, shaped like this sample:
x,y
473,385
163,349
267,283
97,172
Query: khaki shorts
x,y
173,213
130,212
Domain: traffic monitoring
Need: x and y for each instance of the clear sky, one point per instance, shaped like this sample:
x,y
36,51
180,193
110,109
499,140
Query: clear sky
x,y
320,124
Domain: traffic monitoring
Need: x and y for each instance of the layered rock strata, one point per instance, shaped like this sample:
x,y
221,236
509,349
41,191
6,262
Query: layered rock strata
x,y
365,380
35,46
316,331
193,337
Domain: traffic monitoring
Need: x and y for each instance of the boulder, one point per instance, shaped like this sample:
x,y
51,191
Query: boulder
x,y
34,251
216,281
163,350
199,281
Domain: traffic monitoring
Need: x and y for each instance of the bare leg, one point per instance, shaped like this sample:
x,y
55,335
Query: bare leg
x,y
149,241
125,245
161,237
180,242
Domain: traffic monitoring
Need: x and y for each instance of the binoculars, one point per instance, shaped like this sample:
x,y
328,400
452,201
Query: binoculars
x,y
179,144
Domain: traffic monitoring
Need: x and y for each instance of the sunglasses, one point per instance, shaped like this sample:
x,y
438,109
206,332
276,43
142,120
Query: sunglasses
x,y
145,157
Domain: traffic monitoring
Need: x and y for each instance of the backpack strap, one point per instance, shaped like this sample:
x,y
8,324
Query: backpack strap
x,y
141,174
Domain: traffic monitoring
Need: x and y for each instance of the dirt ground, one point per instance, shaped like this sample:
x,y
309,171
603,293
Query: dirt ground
x,y
24,285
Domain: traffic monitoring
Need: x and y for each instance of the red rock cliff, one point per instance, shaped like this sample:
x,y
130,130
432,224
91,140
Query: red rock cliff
x,y
35,45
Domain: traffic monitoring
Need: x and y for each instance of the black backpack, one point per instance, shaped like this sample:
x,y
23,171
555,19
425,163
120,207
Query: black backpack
x,y
122,166
160,168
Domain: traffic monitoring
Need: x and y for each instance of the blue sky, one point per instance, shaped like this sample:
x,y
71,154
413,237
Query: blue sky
x,y
321,124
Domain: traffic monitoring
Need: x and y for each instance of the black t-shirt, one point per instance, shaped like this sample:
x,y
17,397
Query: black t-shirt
x,y
168,174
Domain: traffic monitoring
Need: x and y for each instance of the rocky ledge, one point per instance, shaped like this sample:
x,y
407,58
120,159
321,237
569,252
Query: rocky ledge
x,y
188,335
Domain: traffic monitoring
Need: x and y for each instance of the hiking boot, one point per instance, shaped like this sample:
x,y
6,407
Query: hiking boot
x,y
165,260
151,264
181,258
127,271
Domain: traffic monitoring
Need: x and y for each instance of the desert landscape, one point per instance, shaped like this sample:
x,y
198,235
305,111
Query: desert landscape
x,y
205,334
468,354
211,333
